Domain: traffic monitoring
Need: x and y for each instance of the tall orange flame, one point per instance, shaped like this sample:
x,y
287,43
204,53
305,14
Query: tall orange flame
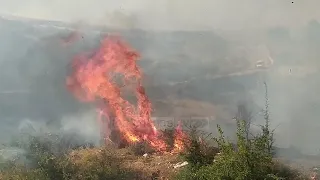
x,y
99,76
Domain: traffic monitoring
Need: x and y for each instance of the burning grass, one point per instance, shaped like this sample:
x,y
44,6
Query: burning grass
x,y
102,77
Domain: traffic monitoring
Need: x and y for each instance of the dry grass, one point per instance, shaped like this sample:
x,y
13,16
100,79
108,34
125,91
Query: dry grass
x,y
146,167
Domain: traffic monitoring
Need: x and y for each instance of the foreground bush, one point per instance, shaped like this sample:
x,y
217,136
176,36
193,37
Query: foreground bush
x,y
247,160
198,152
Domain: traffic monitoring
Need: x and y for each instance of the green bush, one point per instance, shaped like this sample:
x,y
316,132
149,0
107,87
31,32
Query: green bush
x,y
248,159
198,152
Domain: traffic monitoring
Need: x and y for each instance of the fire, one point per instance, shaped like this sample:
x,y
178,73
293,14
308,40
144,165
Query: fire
x,y
180,139
97,78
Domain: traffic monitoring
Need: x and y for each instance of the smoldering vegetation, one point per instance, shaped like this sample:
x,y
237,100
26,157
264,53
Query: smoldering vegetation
x,y
188,73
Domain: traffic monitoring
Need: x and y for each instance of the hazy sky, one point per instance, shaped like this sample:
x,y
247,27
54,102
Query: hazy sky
x,y
171,14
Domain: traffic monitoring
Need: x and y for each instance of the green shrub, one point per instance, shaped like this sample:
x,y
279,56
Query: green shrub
x,y
248,159
198,152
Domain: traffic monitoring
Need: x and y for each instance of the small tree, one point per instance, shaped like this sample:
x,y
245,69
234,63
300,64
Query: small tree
x,y
266,128
198,152
245,115
249,159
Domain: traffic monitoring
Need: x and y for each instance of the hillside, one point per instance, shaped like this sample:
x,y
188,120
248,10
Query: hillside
x,y
36,60
199,74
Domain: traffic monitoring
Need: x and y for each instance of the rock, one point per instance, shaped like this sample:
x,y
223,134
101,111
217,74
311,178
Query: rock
x,y
145,155
180,164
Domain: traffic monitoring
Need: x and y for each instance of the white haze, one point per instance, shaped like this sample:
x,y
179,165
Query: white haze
x,y
171,14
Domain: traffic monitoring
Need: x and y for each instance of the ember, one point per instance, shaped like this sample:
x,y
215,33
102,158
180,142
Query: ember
x,y
93,78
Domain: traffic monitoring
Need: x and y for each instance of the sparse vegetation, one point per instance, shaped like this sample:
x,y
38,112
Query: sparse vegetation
x,y
51,157
247,160
81,163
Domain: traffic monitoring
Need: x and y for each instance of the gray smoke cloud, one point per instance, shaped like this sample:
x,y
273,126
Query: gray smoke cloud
x,y
168,14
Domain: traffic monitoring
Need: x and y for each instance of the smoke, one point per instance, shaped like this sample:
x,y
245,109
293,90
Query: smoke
x,y
33,91
172,15
204,38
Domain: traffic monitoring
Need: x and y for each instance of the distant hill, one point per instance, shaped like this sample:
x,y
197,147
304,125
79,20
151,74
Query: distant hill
x,y
34,63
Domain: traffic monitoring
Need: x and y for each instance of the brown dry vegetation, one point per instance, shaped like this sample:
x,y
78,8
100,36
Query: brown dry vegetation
x,y
144,167
97,163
